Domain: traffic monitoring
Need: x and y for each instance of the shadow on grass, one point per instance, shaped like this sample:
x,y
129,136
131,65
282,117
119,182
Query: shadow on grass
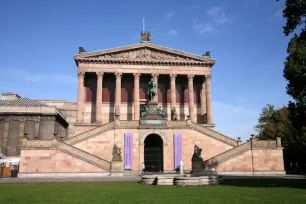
x,y
266,182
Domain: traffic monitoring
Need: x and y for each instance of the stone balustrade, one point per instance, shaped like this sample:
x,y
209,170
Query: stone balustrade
x,y
91,133
214,134
227,155
264,144
68,149
78,153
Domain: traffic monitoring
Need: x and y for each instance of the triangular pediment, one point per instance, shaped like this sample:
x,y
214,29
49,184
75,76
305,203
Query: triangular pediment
x,y
144,52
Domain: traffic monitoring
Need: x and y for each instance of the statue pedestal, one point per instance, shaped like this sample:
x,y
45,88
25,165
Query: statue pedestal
x,y
116,168
152,118
197,166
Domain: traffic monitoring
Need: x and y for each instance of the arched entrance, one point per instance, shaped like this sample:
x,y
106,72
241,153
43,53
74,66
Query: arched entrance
x,y
153,153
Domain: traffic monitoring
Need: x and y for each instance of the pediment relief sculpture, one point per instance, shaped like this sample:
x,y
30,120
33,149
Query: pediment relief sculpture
x,y
145,54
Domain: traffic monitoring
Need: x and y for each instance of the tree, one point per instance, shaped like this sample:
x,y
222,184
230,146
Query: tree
x,y
295,13
295,65
274,123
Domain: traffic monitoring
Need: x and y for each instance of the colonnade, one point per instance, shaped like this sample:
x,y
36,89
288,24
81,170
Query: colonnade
x,y
206,104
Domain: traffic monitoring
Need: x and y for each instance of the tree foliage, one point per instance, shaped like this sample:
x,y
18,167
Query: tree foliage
x,y
295,14
275,123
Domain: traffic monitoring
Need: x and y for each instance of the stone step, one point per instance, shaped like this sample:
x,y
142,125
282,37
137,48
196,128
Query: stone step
x,y
227,155
213,134
85,156
91,133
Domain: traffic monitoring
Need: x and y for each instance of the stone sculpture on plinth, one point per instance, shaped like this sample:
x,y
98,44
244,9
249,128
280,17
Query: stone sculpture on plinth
x,y
152,115
197,160
174,115
116,165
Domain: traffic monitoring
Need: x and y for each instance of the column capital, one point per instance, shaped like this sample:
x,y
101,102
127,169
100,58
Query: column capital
x,y
137,75
190,76
100,74
155,76
81,74
173,76
208,76
118,75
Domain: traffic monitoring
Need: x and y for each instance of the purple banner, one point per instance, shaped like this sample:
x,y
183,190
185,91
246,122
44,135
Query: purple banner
x,y
177,150
128,150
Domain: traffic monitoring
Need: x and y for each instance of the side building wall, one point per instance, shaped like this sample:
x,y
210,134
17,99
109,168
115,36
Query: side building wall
x,y
14,127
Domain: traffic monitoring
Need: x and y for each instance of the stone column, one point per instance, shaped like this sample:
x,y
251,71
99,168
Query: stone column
x,y
203,102
118,90
6,127
136,96
208,100
173,91
190,97
21,135
81,97
99,97
155,77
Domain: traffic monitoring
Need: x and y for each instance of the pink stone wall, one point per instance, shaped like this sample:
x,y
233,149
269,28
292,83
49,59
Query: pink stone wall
x,y
263,160
242,162
47,161
53,161
102,145
82,128
268,160
210,147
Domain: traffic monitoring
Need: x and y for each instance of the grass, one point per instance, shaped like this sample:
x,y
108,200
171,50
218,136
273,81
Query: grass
x,y
232,191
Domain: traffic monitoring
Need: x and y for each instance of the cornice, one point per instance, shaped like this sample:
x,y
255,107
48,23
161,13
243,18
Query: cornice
x,y
144,62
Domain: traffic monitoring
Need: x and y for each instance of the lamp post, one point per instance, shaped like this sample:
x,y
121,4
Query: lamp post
x,y
252,137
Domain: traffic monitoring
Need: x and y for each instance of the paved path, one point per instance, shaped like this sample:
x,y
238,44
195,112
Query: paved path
x,y
71,179
135,178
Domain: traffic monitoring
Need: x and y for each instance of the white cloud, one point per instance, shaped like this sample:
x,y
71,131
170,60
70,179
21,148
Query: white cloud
x,y
217,14
204,28
216,17
172,33
169,15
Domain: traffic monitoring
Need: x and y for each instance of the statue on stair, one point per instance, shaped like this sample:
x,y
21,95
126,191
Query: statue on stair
x,y
197,161
116,153
197,154
174,114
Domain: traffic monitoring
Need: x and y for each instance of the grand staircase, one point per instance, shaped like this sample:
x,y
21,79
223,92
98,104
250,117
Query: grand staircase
x,y
67,146
213,134
85,156
214,161
90,133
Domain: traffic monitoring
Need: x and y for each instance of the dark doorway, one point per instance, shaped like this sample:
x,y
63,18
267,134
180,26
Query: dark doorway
x,y
153,153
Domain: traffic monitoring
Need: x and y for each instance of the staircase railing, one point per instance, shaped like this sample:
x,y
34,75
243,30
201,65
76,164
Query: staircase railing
x,y
85,156
214,134
228,154
90,133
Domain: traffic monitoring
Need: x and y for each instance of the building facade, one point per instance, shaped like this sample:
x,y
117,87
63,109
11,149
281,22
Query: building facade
x,y
109,134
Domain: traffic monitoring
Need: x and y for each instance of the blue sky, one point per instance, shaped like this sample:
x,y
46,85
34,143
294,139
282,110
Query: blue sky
x,y
39,38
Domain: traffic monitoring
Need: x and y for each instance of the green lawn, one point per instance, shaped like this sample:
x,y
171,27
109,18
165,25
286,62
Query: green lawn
x,y
232,191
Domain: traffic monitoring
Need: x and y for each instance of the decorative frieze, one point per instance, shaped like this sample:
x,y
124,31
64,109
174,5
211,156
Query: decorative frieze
x,y
145,54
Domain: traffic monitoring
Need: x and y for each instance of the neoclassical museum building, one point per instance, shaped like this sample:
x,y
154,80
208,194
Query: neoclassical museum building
x,y
142,103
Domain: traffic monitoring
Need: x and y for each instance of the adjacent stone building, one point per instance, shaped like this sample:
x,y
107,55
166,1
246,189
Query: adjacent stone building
x,y
114,109
24,117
